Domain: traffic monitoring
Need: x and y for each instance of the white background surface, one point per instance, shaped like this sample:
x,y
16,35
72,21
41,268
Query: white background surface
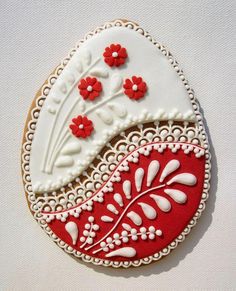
x,y
34,36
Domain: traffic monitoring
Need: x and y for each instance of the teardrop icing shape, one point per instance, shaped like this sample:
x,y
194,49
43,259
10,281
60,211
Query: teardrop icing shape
x,y
115,157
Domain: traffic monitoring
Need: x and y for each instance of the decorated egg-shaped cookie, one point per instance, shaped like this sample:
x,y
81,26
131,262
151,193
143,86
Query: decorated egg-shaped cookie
x,y
115,157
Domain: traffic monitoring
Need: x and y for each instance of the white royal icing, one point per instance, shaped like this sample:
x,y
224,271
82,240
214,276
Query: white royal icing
x,y
148,210
161,202
165,91
196,136
72,228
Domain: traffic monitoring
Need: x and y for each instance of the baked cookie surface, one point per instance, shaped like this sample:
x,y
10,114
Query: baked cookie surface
x,y
115,158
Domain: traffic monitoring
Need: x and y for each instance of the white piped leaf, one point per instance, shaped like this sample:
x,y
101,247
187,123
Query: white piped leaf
x,y
171,166
71,148
153,169
72,228
99,72
135,218
126,252
105,116
64,161
148,210
127,189
112,208
139,174
184,178
118,109
79,66
116,83
177,195
106,218
126,226
161,202
86,57
51,109
118,198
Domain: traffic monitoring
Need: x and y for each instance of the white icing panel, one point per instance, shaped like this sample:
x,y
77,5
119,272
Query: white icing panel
x,y
166,93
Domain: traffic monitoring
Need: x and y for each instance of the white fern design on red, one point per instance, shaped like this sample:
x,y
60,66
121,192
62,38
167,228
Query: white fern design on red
x,y
147,202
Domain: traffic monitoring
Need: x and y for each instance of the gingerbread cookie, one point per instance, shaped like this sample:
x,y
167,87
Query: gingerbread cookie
x,y
115,157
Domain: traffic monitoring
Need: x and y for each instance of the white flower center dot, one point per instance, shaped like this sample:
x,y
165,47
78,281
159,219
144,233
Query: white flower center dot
x,y
90,88
115,54
81,126
135,87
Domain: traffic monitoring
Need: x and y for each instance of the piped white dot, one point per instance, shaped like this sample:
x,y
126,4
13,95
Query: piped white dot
x,y
90,88
115,54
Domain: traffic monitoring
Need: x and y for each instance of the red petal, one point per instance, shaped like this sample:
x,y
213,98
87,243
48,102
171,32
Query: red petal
x,y
117,47
93,95
123,53
107,52
129,93
77,120
88,123
117,62
97,86
88,130
84,119
110,61
83,84
137,80
113,47
121,61
93,81
84,93
138,95
74,129
142,87
128,84
81,133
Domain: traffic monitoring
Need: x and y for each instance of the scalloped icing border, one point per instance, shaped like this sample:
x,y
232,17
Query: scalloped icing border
x,y
29,133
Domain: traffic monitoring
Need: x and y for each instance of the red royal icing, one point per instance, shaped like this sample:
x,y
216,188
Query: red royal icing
x,y
115,55
81,126
89,88
135,88
154,233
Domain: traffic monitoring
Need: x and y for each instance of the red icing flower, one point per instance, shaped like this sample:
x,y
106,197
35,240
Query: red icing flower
x,y
135,88
81,126
115,55
90,88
